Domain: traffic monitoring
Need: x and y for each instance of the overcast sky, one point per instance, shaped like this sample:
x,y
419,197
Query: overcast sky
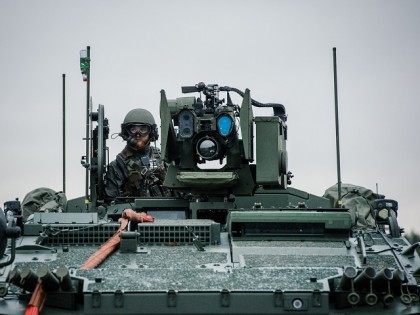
x,y
280,50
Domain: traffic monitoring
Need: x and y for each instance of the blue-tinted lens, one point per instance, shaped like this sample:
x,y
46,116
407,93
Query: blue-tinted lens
x,y
186,124
225,125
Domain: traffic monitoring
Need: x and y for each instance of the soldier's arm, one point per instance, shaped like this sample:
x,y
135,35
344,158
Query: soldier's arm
x,y
113,182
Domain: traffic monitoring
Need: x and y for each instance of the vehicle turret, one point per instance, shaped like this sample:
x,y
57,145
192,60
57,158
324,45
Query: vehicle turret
x,y
196,131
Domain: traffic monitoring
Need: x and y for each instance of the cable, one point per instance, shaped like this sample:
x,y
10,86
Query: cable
x,y
253,102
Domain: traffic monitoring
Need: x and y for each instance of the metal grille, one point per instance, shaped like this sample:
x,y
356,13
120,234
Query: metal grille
x,y
81,234
175,232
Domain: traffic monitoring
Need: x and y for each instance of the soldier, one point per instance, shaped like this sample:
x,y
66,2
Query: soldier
x,y
138,170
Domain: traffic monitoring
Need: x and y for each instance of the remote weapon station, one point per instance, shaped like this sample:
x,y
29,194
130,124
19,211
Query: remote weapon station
x,y
233,238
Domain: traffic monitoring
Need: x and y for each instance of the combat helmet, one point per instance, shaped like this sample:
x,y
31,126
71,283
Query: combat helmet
x,y
139,116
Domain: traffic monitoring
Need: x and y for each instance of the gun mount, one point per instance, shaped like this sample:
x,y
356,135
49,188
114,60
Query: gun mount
x,y
195,131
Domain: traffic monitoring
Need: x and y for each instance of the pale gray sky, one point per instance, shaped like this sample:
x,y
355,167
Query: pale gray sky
x,y
281,50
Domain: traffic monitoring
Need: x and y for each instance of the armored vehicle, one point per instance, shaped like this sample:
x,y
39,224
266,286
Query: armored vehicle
x,y
234,237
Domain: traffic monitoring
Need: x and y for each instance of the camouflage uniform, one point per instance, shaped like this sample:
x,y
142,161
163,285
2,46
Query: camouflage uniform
x,y
136,174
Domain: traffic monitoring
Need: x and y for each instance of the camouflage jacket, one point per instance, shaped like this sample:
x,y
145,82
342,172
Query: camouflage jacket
x,y
135,174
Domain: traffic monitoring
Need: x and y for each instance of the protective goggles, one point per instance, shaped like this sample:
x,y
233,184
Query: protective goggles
x,y
139,129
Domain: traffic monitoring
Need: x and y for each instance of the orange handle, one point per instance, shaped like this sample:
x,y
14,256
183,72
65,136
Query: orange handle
x,y
31,310
132,215
37,300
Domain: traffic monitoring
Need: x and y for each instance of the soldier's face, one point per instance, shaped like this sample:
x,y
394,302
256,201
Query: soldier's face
x,y
141,141
141,135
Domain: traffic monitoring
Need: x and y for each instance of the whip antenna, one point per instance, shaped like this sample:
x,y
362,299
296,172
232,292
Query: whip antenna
x,y
337,132
64,132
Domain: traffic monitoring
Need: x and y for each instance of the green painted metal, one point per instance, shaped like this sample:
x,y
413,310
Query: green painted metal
x,y
181,103
165,117
207,178
332,220
290,197
271,148
247,128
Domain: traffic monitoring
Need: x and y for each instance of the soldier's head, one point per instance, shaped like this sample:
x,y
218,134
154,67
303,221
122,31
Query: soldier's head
x,y
139,129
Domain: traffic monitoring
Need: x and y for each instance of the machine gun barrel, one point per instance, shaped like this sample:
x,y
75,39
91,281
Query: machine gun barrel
x,y
190,89
209,90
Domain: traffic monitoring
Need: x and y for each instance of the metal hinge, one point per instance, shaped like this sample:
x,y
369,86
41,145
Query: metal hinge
x,y
225,298
171,299
278,298
96,299
118,299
